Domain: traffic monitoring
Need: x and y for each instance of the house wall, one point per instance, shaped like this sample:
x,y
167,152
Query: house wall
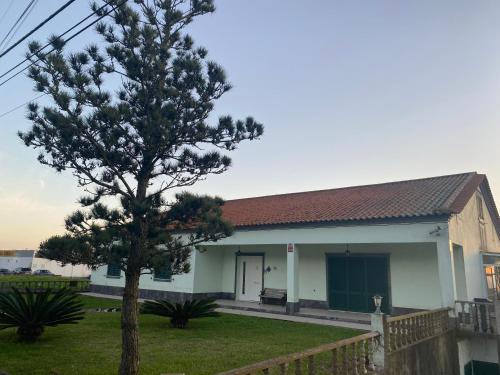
x,y
209,270
464,231
413,267
414,280
411,247
179,283
375,233
274,257
478,348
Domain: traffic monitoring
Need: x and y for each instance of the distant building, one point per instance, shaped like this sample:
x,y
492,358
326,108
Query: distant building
x,y
12,259
67,271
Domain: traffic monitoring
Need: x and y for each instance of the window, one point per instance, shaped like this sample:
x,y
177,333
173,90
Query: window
x,y
480,209
114,270
482,226
492,277
163,273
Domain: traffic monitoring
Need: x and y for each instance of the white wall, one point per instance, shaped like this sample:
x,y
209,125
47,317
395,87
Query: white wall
x,y
274,257
208,266
374,233
413,270
413,261
22,258
179,283
464,231
414,280
54,267
478,349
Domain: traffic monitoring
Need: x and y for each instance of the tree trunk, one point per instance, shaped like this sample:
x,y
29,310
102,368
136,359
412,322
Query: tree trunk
x,y
130,329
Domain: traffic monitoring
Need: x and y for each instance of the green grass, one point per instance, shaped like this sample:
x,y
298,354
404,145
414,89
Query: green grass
x,y
207,346
104,303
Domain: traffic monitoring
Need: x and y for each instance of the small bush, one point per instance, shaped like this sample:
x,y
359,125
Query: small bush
x,y
181,313
31,312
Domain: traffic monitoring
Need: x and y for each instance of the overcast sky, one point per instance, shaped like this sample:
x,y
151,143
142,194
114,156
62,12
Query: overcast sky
x,y
350,92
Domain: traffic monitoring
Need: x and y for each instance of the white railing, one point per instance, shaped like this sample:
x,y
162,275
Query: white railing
x,y
407,330
349,356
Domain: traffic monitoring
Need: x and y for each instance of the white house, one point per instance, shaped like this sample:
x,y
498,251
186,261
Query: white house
x,y
421,244
12,259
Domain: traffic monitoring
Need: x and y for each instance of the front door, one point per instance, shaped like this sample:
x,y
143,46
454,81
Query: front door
x,y
353,280
249,282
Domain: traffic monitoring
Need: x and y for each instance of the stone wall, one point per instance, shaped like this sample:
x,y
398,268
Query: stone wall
x,y
159,294
434,356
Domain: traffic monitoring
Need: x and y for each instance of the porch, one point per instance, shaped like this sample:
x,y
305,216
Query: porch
x,y
331,280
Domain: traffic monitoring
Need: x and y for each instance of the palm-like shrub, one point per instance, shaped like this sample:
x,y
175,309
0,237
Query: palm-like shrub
x,y
181,313
30,312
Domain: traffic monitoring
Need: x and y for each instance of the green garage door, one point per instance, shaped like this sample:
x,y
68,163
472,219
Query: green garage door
x,y
353,280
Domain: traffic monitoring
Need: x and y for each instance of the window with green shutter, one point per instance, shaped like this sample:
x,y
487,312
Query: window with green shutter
x,y
163,273
114,270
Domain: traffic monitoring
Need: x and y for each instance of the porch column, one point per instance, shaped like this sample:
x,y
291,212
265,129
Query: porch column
x,y
292,278
446,272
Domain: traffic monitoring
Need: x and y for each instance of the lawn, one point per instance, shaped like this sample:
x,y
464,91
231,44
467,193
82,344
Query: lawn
x,y
208,346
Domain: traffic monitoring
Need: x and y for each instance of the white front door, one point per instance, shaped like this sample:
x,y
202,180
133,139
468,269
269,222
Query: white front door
x,y
249,282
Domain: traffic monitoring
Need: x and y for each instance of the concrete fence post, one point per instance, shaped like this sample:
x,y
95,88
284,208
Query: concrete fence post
x,y
378,324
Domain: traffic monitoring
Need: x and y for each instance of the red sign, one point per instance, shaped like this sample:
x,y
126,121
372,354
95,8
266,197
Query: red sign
x,y
290,247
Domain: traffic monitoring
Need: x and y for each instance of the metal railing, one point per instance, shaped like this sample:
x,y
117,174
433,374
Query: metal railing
x,y
476,317
349,356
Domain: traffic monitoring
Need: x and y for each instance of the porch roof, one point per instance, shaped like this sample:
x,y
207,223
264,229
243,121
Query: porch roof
x,y
434,196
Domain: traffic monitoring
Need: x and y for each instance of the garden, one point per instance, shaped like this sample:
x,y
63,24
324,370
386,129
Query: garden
x,y
206,346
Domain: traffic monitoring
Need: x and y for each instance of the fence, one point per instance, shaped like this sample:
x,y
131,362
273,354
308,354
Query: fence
x,y
349,356
76,285
396,343
476,317
406,330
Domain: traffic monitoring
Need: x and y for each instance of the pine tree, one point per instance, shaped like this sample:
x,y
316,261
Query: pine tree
x,y
129,141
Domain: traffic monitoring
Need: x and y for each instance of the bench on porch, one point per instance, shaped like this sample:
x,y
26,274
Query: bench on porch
x,y
273,296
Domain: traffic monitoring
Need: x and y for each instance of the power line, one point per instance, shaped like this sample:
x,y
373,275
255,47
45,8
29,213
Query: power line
x,y
6,10
50,43
65,41
21,105
27,35
28,7
19,26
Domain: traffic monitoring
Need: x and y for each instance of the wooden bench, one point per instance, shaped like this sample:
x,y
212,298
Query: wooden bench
x,y
273,296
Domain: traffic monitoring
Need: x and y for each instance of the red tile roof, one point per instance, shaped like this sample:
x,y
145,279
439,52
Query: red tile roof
x,y
425,197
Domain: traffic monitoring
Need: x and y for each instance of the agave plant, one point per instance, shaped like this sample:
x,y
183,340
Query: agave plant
x,y
30,312
181,313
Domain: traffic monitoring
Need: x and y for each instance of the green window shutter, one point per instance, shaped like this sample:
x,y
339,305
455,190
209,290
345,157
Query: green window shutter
x,y
113,270
163,273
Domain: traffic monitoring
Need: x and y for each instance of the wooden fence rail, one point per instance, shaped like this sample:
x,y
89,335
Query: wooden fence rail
x,y
476,317
406,330
349,356
77,285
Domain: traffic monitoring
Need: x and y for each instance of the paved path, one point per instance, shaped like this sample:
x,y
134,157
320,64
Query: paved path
x,y
299,319
290,318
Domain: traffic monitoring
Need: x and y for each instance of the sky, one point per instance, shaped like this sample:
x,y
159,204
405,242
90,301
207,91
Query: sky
x,y
350,92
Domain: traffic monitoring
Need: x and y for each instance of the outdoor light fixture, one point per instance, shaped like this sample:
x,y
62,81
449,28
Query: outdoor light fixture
x,y
377,300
